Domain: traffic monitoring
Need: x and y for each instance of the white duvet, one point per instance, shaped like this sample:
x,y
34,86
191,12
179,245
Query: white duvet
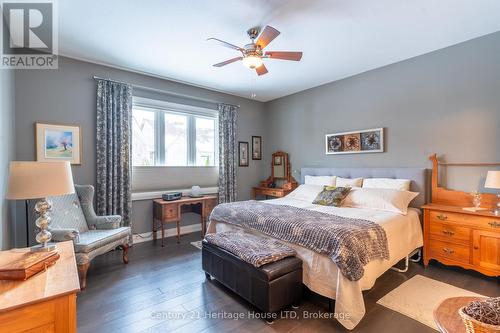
x,y
321,275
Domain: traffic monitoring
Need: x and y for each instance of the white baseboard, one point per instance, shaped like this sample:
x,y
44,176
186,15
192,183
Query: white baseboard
x,y
147,236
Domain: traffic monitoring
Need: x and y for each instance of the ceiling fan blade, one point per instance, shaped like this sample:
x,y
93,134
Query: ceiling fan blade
x,y
226,44
224,63
261,70
295,56
267,36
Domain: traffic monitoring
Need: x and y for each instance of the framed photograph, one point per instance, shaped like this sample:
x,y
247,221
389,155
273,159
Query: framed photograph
x,y
243,154
278,160
58,143
364,141
256,147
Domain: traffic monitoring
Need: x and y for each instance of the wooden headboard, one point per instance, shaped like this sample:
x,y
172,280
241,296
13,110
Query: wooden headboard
x,y
443,196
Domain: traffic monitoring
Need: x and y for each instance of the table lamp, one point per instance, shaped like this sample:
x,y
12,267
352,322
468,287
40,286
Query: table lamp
x,y
493,181
39,180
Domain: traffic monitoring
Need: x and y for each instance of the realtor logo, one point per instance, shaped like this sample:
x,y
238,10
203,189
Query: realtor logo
x,y
29,39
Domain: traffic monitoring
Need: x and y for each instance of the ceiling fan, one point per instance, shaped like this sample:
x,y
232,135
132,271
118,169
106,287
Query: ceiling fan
x,y
253,54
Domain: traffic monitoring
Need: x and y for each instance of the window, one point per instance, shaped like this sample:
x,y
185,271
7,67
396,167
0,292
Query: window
x,y
167,134
143,134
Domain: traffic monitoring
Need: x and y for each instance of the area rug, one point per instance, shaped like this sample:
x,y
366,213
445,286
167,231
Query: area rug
x,y
197,244
417,298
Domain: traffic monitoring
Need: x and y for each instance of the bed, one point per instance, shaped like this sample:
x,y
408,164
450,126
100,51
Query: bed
x,y
320,273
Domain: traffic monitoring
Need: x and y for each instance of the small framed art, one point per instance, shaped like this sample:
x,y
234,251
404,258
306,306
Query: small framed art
x,y
364,141
243,154
58,143
256,147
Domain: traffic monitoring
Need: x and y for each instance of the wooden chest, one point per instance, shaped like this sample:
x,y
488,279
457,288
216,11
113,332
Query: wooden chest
x,y
457,237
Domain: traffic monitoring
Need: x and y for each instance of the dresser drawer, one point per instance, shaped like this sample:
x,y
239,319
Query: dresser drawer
x,y
270,192
170,211
456,252
489,223
449,231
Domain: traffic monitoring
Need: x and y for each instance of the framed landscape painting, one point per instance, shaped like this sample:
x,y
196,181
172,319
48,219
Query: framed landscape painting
x,y
364,141
58,143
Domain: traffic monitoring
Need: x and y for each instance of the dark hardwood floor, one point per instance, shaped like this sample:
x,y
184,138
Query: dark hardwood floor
x,y
159,282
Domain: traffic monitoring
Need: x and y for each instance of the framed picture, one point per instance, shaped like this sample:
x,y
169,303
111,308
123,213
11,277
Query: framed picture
x,y
58,143
364,141
256,147
278,160
243,154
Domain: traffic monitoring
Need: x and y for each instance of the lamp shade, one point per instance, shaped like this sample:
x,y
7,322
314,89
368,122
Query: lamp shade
x,y
33,180
492,179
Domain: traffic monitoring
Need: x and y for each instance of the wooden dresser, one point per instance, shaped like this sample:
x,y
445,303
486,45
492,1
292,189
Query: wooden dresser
x,y
280,175
45,302
457,237
454,236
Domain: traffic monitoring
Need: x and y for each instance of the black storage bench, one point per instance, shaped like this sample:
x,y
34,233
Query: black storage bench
x,y
269,288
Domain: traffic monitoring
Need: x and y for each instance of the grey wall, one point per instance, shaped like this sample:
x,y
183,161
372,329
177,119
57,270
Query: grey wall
x,y
68,95
6,151
446,102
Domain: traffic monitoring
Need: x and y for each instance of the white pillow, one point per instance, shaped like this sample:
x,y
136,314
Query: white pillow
x,y
320,180
380,199
305,192
395,184
352,182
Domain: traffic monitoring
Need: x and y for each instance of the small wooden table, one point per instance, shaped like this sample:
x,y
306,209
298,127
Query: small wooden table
x,y
171,211
46,302
446,314
270,192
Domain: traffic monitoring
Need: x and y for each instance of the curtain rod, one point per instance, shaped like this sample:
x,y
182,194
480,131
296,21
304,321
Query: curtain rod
x,y
95,77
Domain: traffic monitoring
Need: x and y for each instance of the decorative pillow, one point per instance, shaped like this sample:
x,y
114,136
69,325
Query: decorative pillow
x,y
332,196
380,199
395,184
320,180
305,192
351,182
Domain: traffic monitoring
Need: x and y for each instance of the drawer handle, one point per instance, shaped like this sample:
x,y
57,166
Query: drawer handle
x,y
442,217
494,224
448,250
448,232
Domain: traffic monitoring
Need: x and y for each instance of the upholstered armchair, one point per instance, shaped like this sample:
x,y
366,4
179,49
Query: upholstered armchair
x,y
74,218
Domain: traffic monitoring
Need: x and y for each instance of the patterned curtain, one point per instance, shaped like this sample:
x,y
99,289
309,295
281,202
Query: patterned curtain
x,y
227,153
114,113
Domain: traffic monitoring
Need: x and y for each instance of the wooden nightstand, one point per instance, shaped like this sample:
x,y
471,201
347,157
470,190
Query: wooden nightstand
x,y
46,302
462,238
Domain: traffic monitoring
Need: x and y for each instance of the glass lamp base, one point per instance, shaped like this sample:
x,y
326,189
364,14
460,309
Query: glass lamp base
x,y
49,247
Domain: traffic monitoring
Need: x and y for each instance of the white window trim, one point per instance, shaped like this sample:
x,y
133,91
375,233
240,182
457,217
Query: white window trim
x,y
148,104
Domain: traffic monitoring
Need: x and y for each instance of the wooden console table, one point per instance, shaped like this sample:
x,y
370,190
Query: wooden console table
x,y
171,211
45,302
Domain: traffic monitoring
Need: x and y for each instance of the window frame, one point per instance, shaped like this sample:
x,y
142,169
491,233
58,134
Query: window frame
x,y
160,108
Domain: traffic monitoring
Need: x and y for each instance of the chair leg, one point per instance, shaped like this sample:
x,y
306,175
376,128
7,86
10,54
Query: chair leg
x,y
82,274
125,253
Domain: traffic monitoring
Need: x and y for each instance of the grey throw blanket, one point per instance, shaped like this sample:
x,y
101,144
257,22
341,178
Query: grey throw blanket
x,y
350,243
255,250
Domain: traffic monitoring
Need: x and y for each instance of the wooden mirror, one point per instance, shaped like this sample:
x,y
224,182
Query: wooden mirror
x,y
281,182
280,166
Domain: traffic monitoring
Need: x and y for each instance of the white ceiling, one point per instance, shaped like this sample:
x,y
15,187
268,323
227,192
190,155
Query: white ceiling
x,y
339,38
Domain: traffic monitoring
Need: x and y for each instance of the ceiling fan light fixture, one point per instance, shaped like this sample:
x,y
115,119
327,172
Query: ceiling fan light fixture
x,y
252,61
